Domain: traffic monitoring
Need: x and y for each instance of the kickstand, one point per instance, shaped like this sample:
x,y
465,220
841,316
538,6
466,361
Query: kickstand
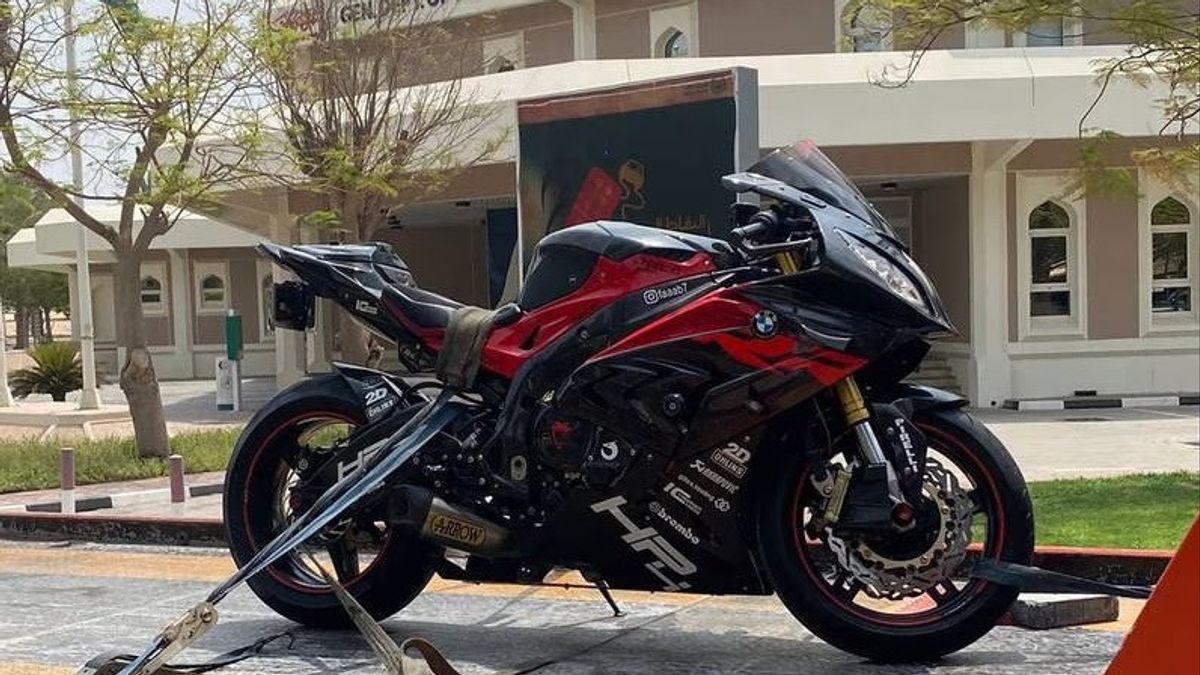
x,y
602,586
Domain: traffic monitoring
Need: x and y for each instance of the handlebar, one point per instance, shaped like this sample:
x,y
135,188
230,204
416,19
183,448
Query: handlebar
x,y
769,232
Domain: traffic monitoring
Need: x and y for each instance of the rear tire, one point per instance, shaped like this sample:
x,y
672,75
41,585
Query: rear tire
x,y
928,634
402,565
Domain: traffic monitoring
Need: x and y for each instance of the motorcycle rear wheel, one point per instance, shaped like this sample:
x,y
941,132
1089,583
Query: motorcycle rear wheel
x,y
384,576
833,603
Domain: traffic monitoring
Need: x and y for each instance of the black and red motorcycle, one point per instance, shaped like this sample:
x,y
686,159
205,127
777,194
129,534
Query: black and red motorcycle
x,y
660,411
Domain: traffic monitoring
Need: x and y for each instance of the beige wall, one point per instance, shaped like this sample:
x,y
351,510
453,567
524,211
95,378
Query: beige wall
x,y
904,159
754,27
1112,267
477,182
941,230
242,294
548,44
625,35
449,260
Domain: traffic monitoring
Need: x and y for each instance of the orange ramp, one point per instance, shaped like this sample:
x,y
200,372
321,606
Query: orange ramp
x,y
1164,638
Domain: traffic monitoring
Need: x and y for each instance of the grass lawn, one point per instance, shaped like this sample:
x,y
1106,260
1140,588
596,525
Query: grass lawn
x,y
1142,511
32,465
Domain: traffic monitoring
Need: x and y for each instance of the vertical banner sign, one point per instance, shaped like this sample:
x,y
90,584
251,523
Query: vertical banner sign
x,y
651,153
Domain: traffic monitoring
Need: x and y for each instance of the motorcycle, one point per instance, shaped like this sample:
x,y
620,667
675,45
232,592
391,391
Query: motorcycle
x,y
660,411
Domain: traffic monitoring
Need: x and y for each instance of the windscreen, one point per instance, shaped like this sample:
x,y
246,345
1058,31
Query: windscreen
x,y
804,167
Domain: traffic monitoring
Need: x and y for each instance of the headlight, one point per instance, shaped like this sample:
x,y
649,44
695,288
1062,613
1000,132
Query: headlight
x,y
892,276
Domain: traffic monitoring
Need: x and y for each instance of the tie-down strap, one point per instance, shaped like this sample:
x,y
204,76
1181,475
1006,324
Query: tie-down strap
x,y
462,346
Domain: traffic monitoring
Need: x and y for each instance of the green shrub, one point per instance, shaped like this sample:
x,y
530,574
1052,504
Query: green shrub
x,y
33,465
56,371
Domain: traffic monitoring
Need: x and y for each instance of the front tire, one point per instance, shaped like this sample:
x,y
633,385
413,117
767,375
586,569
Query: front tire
x,y
257,487
823,595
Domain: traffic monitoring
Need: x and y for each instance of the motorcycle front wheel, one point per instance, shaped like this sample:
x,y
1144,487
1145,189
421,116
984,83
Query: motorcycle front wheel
x,y
906,597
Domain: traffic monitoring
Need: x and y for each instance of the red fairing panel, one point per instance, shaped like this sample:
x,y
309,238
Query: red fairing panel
x,y
509,347
724,320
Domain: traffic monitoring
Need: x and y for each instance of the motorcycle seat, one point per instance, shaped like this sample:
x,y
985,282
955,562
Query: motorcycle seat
x,y
427,310
375,252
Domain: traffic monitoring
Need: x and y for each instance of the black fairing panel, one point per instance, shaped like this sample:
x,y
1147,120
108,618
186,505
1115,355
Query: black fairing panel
x,y
557,271
618,241
720,398
564,259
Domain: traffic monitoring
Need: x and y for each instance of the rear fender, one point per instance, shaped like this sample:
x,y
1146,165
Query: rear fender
x,y
379,392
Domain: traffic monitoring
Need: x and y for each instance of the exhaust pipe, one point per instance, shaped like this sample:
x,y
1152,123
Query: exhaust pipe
x,y
433,518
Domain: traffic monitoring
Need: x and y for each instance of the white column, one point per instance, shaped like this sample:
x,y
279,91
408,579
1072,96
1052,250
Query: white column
x,y
182,313
318,355
990,378
583,28
89,396
6,399
73,298
290,351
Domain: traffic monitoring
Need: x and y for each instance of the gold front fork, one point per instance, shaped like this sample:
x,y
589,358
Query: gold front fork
x,y
852,402
857,418
787,263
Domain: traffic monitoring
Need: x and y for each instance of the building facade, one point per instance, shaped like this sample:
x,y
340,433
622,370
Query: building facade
x,y
191,278
1051,294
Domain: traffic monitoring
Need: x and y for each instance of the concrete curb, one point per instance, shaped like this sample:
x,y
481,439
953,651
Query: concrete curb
x,y
1114,566
114,529
1089,402
84,504
1120,566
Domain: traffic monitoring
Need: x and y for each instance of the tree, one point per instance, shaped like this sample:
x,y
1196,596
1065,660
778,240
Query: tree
x,y
1163,49
371,110
32,295
147,89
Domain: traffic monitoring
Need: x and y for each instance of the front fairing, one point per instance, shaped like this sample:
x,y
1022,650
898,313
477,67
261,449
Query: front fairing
x,y
851,232
838,230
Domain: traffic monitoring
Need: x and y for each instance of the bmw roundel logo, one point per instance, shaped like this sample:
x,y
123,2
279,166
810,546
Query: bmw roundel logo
x,y
765,324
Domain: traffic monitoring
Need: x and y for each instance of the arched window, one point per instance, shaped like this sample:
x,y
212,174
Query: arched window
x,y
503,54
868,27
152,288
1050,260
1172,232
672,44
676,46
673,31
151,294
212,292
500,64
211,279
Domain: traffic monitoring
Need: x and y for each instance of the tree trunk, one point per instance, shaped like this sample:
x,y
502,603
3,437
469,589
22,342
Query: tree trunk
x,y
354,336
138,380
49,324
22,329
36,327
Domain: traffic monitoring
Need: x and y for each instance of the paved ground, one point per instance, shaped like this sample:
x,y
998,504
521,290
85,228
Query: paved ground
x,y
187,404
1102,442
63,605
